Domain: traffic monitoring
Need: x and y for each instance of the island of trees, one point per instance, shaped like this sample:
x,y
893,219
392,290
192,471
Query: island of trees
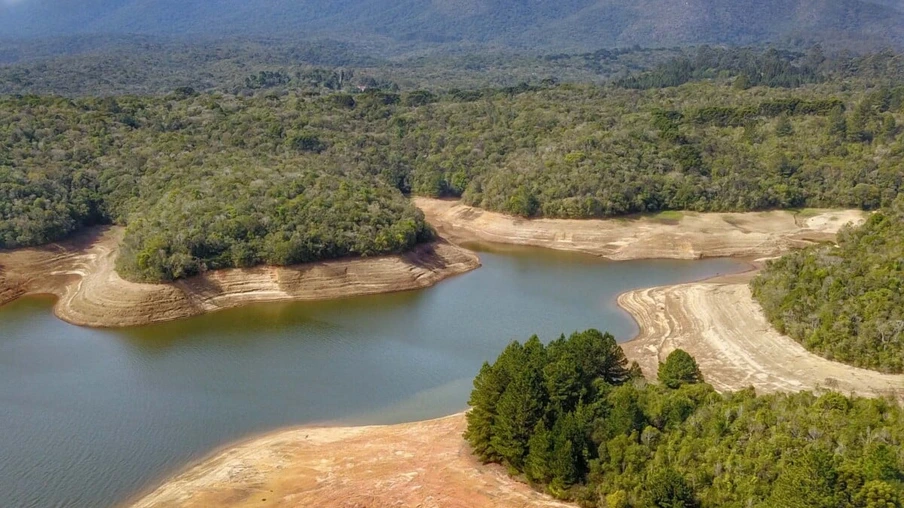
x,y
574,419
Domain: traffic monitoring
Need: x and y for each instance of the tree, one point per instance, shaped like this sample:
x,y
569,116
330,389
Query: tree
x,y
783,127
878,494
679,368
807,481
668,489
538,464
488,387
521,406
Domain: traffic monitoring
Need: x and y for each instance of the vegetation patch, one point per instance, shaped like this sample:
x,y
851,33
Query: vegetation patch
x,y
844,301
576,421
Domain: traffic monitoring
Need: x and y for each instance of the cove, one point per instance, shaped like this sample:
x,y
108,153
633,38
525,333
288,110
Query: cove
x,y
91,417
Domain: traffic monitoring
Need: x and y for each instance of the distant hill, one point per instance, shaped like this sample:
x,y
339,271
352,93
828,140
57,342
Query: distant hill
x,y
521,24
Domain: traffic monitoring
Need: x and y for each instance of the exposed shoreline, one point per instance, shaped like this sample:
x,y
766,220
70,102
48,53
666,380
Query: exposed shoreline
x,y
427,463
80,272
720,324
682,235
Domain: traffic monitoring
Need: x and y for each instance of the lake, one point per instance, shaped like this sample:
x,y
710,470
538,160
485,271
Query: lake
x,y
91,417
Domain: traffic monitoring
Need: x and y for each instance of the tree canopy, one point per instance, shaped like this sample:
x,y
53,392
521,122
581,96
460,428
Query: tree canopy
x,y
844,301
678,369
572,421
284,175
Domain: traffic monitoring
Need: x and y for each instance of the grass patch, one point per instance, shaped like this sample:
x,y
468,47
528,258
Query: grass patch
x,y
668,216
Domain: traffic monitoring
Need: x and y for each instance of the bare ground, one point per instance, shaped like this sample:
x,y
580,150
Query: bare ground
x,y
81,272
725,330
423,464
689,236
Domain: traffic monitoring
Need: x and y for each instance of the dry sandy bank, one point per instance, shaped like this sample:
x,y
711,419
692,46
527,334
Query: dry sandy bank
x,y
687,235
424,464
724,328
81,272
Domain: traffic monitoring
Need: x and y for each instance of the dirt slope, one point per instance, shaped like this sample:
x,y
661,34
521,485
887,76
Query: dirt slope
x,y
722,326
687,236
82,273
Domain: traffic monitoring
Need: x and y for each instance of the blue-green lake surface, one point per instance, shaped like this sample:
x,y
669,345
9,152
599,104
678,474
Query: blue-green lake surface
x,y
89,418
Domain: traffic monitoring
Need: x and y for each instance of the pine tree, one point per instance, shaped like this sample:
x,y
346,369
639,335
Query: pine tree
x,y
537,465
518,411
679,368
482,416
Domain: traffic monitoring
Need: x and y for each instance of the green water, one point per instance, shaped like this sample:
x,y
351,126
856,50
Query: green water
x,y
90,417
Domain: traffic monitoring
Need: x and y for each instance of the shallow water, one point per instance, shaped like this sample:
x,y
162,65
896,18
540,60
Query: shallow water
x,y
90,417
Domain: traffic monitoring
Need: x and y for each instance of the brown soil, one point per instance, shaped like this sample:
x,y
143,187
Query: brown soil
x,y
687,235
725,330
81,272
423,464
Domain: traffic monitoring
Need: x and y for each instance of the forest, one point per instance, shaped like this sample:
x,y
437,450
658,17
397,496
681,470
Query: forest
x,y
126,65
844,301
574,419
280,176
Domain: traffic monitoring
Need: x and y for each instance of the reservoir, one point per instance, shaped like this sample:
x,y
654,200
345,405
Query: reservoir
x,y
90,417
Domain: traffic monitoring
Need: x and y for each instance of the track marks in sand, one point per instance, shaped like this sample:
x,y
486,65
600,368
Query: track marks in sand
x,y
725,330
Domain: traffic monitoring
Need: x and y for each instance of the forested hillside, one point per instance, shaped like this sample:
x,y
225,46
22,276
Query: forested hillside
x,y
574,420
296,174
845,302
410,25
203,182
105,66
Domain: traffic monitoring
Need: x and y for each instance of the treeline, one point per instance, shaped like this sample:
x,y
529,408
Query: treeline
x,y
581,152
576,421
772,68
92,66
844,301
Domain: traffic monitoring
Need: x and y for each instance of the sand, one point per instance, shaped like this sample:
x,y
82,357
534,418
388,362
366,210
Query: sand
x,y
423,464
685,235
81,272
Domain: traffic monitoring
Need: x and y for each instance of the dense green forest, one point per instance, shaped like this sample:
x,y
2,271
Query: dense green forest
x,y
576,421
203,182
283,175
108,66
844,301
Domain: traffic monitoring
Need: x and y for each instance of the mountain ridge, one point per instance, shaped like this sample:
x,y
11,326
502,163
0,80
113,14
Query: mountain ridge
x,y
520,24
